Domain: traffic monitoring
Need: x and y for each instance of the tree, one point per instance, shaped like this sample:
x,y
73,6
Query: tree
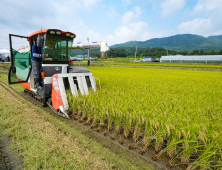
x,y
98,55
201,52
183,53
212,52
117,52
220,52
195,52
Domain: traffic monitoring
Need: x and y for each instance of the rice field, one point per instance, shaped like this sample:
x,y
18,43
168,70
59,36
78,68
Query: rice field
x,y
182,65
179,111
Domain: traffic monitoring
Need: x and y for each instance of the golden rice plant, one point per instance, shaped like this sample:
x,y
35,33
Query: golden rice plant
x,y
180,107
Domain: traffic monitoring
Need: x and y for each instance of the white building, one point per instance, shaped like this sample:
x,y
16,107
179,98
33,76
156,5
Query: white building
x,y
192,59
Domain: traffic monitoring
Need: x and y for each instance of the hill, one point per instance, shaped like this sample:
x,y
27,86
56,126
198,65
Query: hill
x,y
180,42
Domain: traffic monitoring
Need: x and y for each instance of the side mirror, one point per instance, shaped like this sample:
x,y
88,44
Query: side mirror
x,y
40,41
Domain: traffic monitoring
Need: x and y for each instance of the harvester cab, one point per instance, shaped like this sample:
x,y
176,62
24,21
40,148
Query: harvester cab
x,y
57,73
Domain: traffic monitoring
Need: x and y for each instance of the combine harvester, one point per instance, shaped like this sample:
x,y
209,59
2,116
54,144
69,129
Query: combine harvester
x,y
57,73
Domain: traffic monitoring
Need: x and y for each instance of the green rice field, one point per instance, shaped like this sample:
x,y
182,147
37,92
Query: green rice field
x,y
182,65
177,110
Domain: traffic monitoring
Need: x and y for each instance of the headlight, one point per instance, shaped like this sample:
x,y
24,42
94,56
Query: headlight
x,y
52,32
58,32
72,36
55,84
67,34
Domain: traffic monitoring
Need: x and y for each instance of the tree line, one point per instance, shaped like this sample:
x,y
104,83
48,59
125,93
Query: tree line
x,y
156,52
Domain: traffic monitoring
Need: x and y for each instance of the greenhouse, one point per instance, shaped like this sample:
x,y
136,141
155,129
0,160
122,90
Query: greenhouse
x,y
192,59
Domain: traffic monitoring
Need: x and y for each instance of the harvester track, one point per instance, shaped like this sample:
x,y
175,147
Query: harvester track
x,y
93,133
40,101
34,98
28,96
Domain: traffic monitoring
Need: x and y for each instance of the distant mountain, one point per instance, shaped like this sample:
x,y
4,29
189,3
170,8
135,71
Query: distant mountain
x,y
218,37
180,42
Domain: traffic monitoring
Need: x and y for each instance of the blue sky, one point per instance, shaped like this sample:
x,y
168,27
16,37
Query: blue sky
x,y
112,21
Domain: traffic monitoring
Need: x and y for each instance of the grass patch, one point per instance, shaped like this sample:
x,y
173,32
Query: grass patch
x,y
39,142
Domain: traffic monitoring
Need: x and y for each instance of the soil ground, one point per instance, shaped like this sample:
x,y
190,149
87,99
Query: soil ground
x,y
8,159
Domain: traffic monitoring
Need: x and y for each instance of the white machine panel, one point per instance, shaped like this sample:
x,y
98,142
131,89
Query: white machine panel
x,y
63,93
73,87
86,91
93,83
82,84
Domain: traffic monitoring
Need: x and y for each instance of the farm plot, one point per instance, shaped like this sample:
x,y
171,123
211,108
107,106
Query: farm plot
x,y
177,111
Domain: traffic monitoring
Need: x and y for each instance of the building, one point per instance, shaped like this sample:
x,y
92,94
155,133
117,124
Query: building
x,y
148,59
192,59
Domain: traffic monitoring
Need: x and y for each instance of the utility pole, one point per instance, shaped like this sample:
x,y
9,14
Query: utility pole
x,y
88,53
88,48
135,52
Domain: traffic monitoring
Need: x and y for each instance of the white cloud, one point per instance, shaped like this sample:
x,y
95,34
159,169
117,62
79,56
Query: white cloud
x,y
134,31
130,32
199,8
169,7
128,16
137,11
197,26
154,34
218,32
112,13
100,22
17,17
127,2
89,3
211,9
110,39
155,1
207,6
94,36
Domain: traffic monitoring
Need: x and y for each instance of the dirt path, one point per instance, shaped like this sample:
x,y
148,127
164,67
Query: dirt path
x,y
4,161
8,159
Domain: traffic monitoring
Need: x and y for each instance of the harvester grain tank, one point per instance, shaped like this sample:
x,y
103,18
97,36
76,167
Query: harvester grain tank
x,y
57,73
